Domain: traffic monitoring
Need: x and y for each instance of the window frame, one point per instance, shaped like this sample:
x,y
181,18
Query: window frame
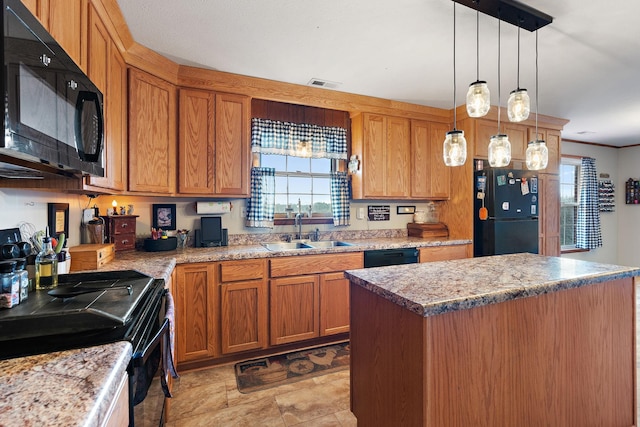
x,y
575,161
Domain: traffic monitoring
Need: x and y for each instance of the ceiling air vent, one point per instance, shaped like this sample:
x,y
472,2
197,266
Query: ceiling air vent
x,y
323,83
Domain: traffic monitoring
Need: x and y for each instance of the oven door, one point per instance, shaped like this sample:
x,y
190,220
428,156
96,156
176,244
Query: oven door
x,y
146,390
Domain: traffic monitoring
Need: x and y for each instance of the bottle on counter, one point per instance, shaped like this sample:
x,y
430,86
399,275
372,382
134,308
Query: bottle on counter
x,y
46,266
23,277
9,285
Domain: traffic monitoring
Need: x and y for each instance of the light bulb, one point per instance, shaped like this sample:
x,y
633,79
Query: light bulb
x,y
114,203
478,99
518,105
454,150
499,151
537,156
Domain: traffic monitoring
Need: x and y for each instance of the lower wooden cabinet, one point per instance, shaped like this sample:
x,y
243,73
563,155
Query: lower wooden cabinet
x,y
444,253
196,304
294,309
334,304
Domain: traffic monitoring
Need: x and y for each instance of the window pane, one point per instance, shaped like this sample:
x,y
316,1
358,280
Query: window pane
x,y
273,161
305,201
298,164
281,184
281,203
320,165
322,204
299,185
321,186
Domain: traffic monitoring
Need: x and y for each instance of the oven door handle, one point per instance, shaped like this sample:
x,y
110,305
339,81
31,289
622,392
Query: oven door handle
x,y
141,357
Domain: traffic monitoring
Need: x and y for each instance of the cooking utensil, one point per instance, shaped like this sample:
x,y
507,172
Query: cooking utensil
x,y
72,291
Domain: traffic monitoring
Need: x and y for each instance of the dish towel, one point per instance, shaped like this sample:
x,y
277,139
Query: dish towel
x,y
168,343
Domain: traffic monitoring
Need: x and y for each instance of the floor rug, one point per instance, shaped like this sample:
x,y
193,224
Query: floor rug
x,y
267,372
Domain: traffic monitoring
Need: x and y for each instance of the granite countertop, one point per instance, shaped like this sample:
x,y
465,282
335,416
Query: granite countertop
x,y
161,264
66,388
439,287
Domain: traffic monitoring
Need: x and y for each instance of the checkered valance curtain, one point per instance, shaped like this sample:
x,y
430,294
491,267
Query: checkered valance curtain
x,y
340,196
298,139
261,205
588,232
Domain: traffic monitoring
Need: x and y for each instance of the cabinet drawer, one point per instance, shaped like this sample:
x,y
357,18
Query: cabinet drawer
x,y
234,271
311,264
124,225
443,253
124,241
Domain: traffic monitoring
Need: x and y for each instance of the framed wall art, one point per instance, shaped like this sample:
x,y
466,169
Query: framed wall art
x,y
58,219
164,216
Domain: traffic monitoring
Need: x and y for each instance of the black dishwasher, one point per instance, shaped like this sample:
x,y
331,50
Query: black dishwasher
x,y
383,257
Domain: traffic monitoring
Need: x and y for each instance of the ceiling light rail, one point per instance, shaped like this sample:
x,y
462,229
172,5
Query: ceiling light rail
x,y
511,11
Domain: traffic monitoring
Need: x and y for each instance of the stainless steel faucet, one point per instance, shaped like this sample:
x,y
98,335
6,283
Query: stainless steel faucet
x,y
298,223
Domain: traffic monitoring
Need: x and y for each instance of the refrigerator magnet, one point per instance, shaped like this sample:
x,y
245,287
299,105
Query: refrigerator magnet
x,y
534,185
505,206
524,186
501,180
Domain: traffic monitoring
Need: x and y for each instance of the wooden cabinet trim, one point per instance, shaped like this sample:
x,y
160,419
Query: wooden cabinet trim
x,y
234,271
311,264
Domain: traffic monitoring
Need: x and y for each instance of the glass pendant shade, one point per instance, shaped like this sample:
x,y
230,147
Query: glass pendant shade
x,y
499,151
478,99
537,156
455,148
518,105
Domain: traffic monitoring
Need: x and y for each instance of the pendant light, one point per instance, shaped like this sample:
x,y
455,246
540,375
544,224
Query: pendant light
x,y
499,145
519,104
537,156
478,96
454,150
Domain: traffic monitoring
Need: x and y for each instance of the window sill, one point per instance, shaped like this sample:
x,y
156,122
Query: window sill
x,y
291,221
573,250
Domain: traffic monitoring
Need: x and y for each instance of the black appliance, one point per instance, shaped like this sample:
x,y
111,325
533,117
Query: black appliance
x,y
53,112
126,305
511,199
384,257
211,232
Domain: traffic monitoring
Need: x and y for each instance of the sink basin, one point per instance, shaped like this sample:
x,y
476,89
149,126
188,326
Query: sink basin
x,y
286,246
329,244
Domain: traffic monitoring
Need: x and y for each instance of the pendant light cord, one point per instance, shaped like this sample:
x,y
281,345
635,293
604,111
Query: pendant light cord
x,y
518,75
499,75
454,67
536,85
477,43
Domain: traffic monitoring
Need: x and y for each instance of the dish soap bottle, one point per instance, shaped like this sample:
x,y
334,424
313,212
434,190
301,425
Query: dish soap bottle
x,y
46,266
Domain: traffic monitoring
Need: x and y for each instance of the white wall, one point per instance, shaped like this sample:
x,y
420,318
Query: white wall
x,y
628,215
607,160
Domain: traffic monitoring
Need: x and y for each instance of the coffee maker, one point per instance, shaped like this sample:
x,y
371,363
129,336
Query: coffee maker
x,y
92,227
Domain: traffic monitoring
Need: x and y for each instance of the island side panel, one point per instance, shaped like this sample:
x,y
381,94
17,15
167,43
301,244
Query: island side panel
x,y
563,358
387,362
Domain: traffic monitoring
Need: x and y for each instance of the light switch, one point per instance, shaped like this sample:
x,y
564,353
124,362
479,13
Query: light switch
x,y
360,214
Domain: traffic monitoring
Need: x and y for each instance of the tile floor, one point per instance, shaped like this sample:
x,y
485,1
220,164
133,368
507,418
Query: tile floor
x,y
211,398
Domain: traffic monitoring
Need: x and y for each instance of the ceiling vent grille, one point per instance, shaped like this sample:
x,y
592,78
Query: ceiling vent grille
x,y
323,83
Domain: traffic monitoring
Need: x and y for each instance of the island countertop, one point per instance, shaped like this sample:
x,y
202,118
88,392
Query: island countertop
x,y
435,288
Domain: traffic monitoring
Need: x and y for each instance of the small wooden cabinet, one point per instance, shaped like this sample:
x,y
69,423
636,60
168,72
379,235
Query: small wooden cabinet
x,y
152,134
430,177
244,305
121,231
334,304
445,253
294,309
196,302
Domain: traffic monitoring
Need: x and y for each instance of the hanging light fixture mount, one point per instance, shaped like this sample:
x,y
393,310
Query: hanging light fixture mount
x,y
511,11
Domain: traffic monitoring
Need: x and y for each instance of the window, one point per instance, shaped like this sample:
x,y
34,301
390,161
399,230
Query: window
x,y
569,200
307,180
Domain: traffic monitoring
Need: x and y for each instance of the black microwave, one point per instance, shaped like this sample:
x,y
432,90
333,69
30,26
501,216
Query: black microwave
x,y
53,112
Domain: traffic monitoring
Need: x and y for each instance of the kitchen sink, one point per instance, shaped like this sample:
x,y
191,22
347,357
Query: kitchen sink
x,y
287,246
292,246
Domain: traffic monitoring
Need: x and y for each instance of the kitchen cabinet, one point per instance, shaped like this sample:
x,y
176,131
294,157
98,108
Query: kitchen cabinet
x,y
549,215
196,302
121,231
214,156
334,304
445,253
66,22
294,308
243,299
118,413
552,139
39,9
108,71
430,177
152,134
383,143
485,129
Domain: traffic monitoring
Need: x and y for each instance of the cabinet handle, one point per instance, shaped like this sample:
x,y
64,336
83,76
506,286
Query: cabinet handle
x,y
124,242
125,225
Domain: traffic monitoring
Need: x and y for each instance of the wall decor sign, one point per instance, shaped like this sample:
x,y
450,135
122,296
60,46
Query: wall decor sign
x,y
379,212
164,216
58,219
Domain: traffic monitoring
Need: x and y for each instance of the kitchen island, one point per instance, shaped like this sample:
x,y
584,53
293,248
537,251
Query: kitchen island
x,y
508,340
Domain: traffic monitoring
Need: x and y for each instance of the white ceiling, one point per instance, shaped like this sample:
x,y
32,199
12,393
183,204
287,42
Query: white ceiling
x,y
589,57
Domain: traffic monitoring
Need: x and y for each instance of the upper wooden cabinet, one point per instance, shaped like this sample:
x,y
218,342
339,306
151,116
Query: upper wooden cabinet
x,y
107,70
214,147
383,144
430,177
552,139
485,129
152,134
66,21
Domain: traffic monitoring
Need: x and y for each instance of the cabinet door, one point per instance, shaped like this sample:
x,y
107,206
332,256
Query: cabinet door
x,y
374,165
549,219
294,309
518,138
430,178
152,134
552,139
65,23
196,303
196,146
334,304
397,152
484,131
232,157
244,315
444,253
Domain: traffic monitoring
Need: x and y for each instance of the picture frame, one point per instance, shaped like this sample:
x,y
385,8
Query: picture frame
x,y
58,219
164,216
405,210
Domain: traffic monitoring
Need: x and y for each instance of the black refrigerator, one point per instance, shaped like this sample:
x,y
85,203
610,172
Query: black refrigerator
x,y
511,199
